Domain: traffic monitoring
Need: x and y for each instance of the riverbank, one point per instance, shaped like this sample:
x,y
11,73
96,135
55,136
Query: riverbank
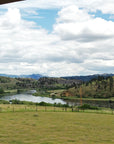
x,y
28,95
76,101
15,91
57,94
8,92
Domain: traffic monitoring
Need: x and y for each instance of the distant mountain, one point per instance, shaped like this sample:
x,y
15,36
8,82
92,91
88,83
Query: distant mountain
x,y
87,78
38,76
33,76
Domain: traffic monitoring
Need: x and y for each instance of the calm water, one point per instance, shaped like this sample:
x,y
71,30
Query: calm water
x,y
30,97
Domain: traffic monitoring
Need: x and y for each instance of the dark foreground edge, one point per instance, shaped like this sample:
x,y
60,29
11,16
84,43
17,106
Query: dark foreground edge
x,y
8,1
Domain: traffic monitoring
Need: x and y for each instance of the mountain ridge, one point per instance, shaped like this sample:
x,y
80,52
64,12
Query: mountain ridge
x,y
33,76
81,77
88,77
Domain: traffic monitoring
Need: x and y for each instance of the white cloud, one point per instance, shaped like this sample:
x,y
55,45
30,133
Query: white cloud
x,y
75,24
106,6
79,43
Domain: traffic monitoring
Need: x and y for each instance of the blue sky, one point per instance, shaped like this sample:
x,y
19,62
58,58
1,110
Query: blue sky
x,y
57,38
98,13
45,18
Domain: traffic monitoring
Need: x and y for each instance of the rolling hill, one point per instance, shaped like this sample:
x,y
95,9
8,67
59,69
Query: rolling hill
x,y
101,87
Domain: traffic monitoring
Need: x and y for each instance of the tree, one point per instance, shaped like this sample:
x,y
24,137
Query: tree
x,y
111,83
1,91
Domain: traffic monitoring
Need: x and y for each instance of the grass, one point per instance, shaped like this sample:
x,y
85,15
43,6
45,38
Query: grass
x,y
49,93
97,99
56,128
11,91
32,108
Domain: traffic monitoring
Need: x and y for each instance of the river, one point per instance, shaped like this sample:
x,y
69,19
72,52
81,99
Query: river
x,y
30,97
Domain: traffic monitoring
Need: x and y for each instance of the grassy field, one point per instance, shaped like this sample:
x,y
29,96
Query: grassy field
x,y
32,108
40,127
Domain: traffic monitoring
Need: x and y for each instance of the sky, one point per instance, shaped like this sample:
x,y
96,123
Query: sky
x,y
57,37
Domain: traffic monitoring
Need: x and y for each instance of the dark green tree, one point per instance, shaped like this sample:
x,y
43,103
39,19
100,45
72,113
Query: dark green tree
x,y
111,83
1,91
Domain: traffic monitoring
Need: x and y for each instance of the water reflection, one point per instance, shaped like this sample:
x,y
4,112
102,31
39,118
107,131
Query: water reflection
x,y
29,97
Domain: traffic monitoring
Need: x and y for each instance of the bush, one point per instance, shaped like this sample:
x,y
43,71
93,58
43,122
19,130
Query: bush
x,y
4,102
1,91
15,101
45,104
61,105
87,106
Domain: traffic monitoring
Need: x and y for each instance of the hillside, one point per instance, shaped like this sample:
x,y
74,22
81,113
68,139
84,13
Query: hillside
x,y
43,84
15,85
96,88
56,83
100,87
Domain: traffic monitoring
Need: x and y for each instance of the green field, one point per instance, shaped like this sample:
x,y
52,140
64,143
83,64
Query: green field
x,y
40,127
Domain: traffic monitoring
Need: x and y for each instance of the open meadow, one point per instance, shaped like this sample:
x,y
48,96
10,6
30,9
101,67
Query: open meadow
x,y
60,127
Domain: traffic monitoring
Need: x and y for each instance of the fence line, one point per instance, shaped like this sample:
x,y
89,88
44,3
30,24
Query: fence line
x,y
24,108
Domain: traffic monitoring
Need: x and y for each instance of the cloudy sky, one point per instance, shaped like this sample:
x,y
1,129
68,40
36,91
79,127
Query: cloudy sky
x,y
57,37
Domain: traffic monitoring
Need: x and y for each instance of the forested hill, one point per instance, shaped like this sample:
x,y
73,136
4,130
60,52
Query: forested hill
x,y
88,77
56,83
43,83
100,87
97,88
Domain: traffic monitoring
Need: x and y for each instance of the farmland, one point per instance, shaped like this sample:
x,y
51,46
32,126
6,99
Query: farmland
x,y
26,125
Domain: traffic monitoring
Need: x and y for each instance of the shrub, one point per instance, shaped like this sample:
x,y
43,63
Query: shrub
x,y
45,104
87,106
1,91
4,102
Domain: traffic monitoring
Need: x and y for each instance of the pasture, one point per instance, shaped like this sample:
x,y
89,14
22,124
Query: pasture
x,y
60,127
